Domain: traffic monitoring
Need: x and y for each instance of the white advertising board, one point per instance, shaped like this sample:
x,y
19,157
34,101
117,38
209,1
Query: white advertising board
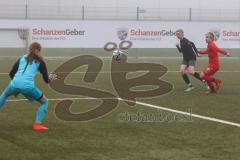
x,y
95,34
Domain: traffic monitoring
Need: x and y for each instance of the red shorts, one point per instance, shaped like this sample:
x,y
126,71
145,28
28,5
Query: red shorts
x,y
211,70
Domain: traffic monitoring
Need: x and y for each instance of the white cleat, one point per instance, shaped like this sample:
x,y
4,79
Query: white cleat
x,y
206,85
189,89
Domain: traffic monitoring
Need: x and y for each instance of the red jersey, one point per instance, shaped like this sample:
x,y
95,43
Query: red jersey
x,y
212,51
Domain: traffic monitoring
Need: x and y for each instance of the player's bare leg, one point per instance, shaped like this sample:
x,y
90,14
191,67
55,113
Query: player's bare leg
x,y
183,71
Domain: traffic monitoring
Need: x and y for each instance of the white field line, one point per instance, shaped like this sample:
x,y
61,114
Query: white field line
x,y
190,114
151,106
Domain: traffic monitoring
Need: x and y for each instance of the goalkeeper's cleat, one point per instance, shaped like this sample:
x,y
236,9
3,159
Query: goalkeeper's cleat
x,y
217,82
39,127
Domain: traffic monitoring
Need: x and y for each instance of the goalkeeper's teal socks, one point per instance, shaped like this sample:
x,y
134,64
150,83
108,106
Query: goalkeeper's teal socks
x,y
42,110
3,99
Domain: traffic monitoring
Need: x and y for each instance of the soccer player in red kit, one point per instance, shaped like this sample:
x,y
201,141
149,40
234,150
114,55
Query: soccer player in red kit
x,y
213,66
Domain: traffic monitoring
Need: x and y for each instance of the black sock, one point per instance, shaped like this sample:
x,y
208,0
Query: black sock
x,y
197,75
185,78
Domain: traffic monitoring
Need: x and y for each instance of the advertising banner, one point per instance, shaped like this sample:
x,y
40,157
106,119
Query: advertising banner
x,y
95,34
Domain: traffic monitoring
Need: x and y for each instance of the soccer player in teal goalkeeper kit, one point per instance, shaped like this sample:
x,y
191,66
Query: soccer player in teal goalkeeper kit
x,y
23,74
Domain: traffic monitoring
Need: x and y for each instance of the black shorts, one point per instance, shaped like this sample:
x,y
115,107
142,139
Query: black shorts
x,y
191,62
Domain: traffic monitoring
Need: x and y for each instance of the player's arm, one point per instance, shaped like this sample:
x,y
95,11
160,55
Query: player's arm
x,y
44,72
200,53
14,69
203,52
194,47
215,48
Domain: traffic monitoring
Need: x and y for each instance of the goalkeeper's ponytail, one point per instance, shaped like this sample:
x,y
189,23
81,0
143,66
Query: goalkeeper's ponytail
x,y
34,52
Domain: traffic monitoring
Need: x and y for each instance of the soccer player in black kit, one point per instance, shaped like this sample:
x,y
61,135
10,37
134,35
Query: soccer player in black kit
x,y
189,52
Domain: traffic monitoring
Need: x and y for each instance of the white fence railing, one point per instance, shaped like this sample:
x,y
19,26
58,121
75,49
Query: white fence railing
x,y
79,12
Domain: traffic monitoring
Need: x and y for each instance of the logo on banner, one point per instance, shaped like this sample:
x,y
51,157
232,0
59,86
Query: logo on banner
x,y
48,34
217,33
139,34
122,33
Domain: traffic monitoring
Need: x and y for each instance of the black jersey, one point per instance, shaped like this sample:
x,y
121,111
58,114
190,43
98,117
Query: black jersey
x,y
188,49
